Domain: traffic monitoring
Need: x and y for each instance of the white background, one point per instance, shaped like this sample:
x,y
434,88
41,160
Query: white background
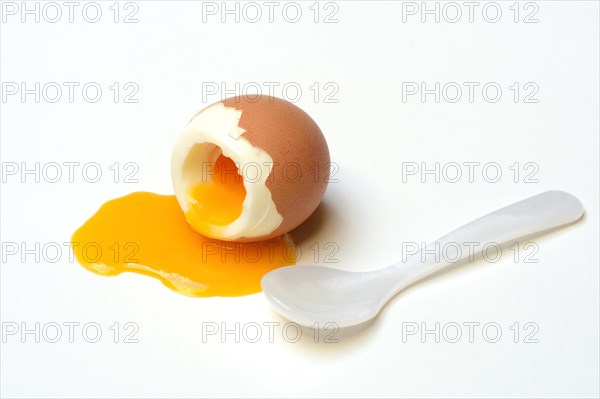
x,y
367,55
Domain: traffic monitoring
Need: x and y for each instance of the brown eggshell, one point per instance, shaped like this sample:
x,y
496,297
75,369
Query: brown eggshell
x,y
299,151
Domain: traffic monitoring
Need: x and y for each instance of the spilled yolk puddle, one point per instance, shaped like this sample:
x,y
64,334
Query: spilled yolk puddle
x,y
148,234
219,198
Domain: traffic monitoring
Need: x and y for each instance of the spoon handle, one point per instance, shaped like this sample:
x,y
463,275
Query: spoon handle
x,y
541,212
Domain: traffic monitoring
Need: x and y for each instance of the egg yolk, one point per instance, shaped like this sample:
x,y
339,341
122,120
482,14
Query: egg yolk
x,y
218,198
148,234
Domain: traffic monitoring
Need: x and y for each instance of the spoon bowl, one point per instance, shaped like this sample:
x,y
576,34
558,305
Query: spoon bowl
x,y
315,294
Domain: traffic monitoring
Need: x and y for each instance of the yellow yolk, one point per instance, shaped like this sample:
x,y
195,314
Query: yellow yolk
x,y
218,198
148,234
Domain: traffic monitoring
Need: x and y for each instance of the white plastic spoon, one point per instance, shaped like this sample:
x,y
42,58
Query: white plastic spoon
x,y
314,294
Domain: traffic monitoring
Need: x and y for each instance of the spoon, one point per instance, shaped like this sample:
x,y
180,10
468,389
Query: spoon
x,y
314,294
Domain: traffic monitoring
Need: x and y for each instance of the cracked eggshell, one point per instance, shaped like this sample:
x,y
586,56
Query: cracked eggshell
x,y
273,133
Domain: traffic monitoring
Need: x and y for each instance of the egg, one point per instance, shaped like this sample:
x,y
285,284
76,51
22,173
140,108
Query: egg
x,y
249,168
245,173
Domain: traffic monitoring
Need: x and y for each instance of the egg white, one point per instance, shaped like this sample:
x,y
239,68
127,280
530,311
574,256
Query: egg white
x,y
212,131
